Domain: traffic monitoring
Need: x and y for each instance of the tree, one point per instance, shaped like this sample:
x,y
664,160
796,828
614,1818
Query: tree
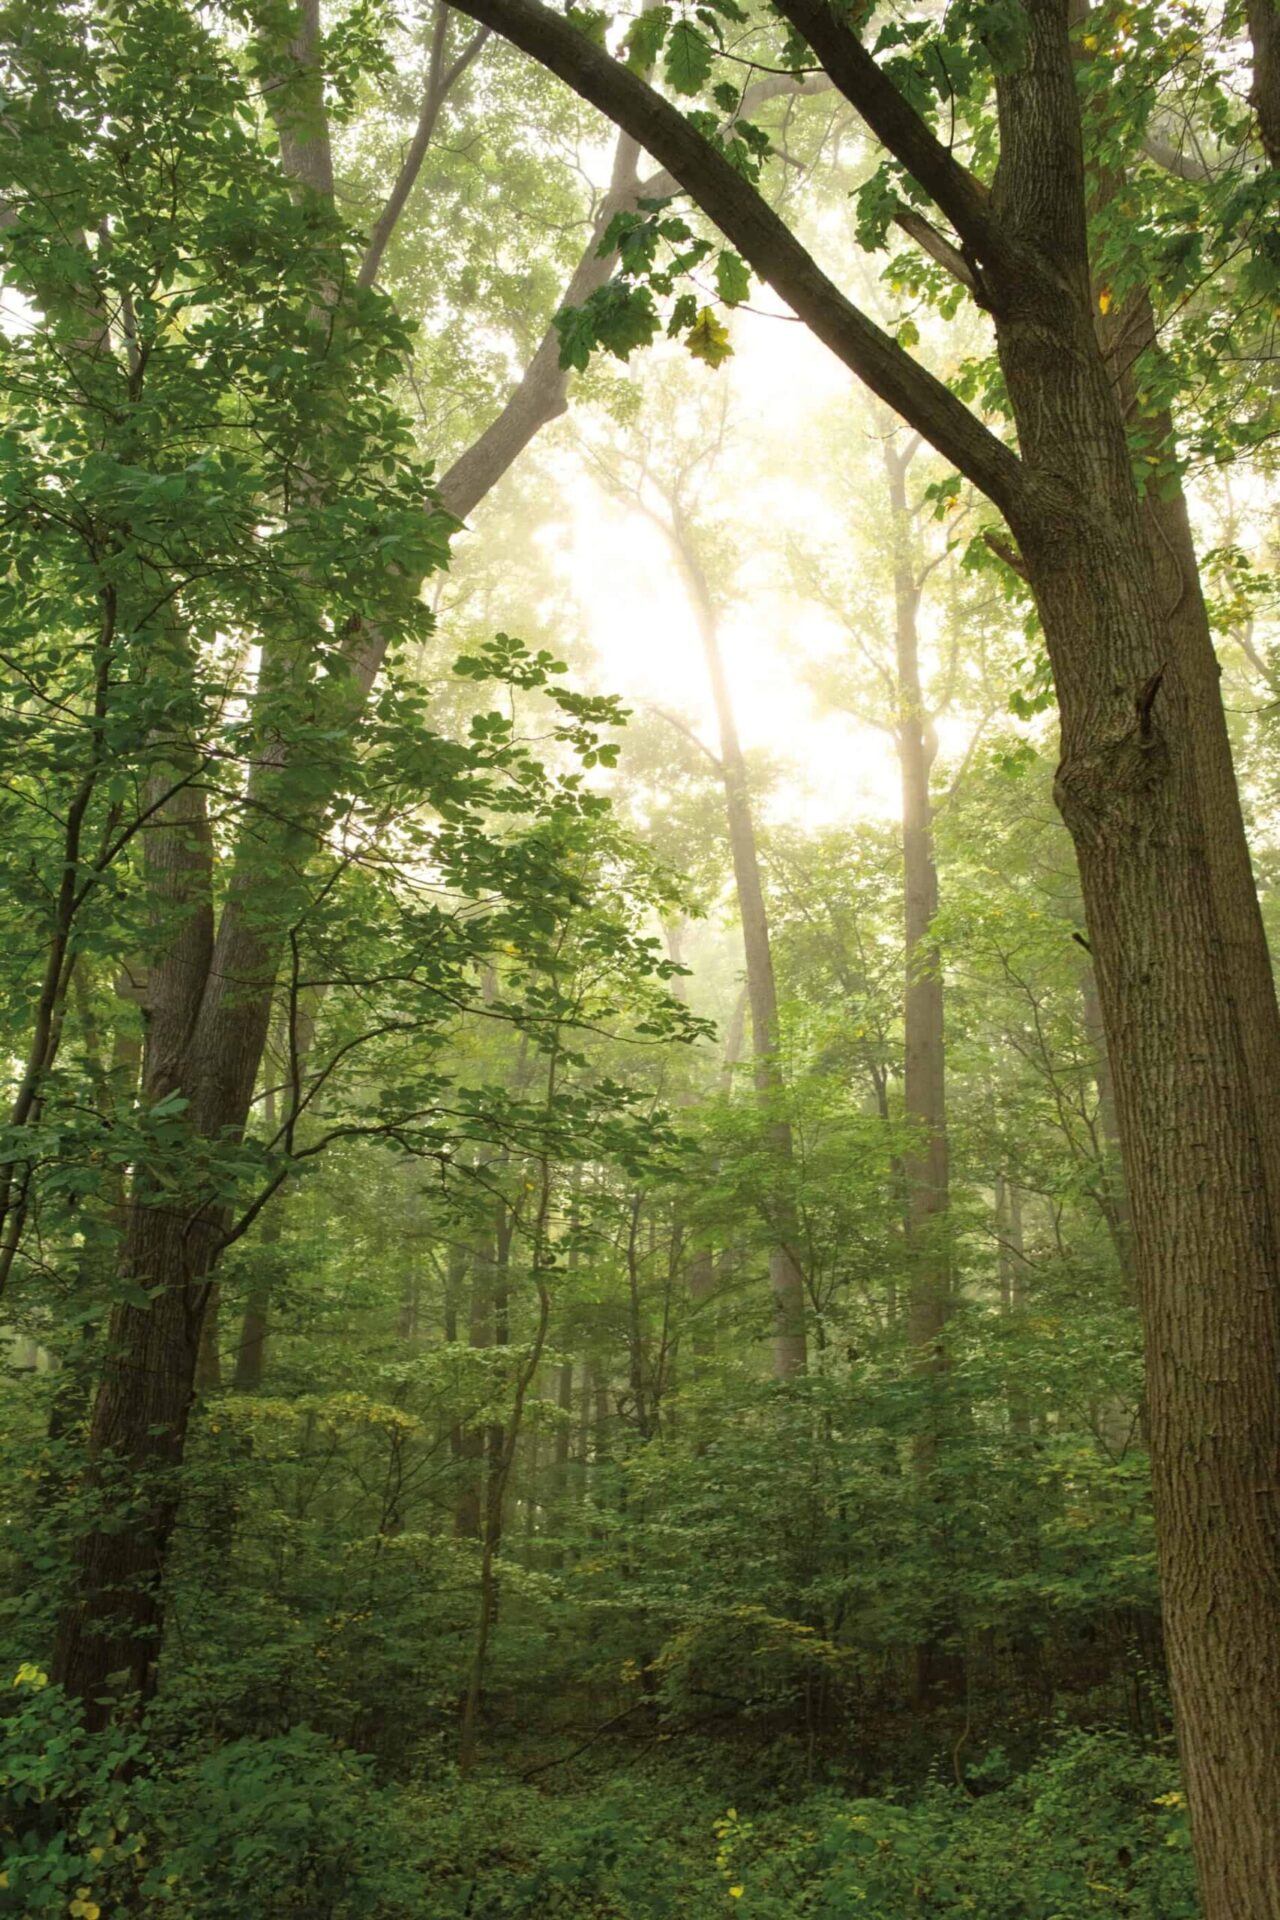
x,y
665,493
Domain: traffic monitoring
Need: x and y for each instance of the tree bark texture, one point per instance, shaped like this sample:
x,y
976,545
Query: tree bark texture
x,y
1179,958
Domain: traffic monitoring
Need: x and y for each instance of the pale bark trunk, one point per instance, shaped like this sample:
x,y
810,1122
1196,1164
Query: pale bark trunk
x,y
924,1064
939,1672
786,1274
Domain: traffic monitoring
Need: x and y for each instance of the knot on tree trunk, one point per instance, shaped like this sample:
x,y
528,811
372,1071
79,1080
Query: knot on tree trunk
x,y
1108,792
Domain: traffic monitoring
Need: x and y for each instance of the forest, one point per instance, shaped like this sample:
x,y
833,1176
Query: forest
x,y
639,854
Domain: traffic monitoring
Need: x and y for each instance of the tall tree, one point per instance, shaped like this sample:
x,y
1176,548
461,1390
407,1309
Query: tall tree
x,y
666,503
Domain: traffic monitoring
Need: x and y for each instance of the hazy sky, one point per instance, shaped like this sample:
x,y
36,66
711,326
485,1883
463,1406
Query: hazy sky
x,y
645,633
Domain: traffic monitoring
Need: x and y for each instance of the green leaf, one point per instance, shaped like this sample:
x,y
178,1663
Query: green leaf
x,y
733,278
644,39
687,65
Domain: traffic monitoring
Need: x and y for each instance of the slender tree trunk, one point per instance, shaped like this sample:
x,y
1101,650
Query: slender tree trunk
x,y
786,1275
924,1071
939,1670
1011,1264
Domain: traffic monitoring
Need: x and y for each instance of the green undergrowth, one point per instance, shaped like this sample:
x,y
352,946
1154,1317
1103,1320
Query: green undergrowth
x,y
96,1826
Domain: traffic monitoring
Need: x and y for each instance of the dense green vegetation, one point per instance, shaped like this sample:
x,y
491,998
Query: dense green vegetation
x,y
598,1256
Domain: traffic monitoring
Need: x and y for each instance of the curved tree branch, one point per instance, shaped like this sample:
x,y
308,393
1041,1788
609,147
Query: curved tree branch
x,y
764,240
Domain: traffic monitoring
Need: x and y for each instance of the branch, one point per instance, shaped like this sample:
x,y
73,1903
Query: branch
x,y
899,128
764,241
440,81
935,244
1006,552
1163,154
688,733
540,396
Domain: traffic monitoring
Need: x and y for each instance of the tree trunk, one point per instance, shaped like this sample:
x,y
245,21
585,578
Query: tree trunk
x,y
1179,956
939,1669
786,1275
1011,1264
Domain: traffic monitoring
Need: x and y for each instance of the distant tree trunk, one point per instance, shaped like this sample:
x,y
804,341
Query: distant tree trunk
x,y
209,1362
470,1444
939,1669
497,1267
924,1070
786,1275
1011,1264
1112,1198
502,1450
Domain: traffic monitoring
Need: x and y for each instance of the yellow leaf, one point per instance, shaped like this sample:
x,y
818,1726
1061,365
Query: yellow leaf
x,y
1104,300
736,1893
708,339
1090,42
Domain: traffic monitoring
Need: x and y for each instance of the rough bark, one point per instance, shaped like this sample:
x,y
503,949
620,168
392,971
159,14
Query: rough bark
x,y
1263,17
1112,1198
1154,840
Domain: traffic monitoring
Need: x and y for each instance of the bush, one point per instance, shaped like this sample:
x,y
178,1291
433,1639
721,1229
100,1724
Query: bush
x,y
254,1830
1096,1831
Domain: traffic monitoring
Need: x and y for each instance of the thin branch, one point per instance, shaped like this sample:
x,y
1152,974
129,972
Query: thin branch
x,y
440,81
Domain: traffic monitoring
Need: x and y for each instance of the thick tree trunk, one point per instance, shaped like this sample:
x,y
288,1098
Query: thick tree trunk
x,y
1179,959
108,1635
1263,17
